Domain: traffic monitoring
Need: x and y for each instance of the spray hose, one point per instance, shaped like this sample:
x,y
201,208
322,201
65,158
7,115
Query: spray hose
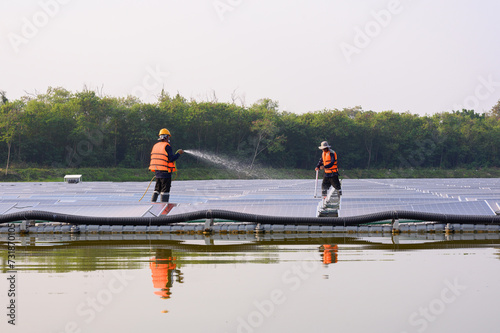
x,y
147,188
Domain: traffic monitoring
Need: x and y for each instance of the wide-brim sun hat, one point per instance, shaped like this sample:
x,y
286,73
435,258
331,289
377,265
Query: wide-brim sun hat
x,y
324,145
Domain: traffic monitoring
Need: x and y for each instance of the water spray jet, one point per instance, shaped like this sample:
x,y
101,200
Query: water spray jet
x,y
224,162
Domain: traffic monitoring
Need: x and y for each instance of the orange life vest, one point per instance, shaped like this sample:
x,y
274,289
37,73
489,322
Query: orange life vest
x,y
327,159
159,158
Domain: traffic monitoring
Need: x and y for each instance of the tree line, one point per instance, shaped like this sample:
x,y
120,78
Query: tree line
x,y
82,129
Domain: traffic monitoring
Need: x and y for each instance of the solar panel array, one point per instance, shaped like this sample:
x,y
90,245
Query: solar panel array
x,y
266,197
282,197
447,196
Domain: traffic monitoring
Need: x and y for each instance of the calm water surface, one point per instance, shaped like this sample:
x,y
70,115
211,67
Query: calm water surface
x,y
248,284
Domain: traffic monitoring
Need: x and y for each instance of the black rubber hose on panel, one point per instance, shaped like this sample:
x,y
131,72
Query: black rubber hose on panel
x,y
254,218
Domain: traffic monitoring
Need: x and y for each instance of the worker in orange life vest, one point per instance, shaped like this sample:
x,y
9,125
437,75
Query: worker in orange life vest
x,y
328,162
162,164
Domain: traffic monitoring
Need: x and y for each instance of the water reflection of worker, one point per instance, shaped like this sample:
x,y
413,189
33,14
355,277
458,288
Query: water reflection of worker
x,y
329,253
163,267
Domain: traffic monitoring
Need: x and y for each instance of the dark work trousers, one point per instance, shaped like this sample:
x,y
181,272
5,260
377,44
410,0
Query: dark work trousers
x,y
330,179
163,185
163,182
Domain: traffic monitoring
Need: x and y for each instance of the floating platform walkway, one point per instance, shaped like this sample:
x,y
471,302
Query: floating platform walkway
x,y
247,228
253,207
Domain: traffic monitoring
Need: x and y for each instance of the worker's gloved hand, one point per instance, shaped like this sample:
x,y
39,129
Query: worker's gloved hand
x,y
321,167
316,169
180,151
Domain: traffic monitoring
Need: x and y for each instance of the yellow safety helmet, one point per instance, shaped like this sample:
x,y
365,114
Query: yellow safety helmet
x,y
164,131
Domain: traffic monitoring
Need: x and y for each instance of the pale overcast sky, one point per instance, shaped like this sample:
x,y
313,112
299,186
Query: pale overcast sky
x,y
420,56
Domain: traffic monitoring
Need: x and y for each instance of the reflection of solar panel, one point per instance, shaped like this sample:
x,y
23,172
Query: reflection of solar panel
x,y
270,197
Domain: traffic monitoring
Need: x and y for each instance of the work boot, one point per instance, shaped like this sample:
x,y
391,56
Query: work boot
x,y
164,197
154,197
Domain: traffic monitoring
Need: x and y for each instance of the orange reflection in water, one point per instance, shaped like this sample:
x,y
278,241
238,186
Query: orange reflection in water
x,y
329,253
163,270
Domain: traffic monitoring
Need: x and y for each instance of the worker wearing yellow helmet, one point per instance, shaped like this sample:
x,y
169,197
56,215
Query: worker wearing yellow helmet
x,y
162,164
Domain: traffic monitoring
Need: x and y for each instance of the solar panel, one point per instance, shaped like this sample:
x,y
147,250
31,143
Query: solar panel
x,y
284,197
93,210
447,196
4,207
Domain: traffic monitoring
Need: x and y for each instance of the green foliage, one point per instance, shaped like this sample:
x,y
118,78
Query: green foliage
x,y
495,111
202,173
64,130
